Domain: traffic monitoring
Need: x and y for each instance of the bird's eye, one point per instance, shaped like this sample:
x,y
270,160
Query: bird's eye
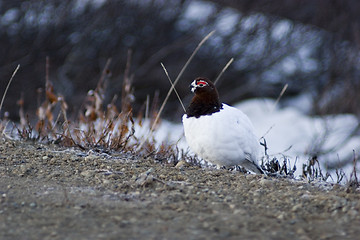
x,y
201,84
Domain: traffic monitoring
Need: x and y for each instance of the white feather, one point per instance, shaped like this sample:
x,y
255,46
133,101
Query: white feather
x,y
225,138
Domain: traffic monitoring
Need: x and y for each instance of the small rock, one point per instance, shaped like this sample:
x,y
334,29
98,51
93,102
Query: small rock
x,y
23,168
296,207
32,205
265,182
52,161
258,192
87,173
181,164
281,216
145,178
228,199
206,224
240,211
353,213
232,206
90,157
105,181
205,190
75,158
306,196
55,174
300,231
117,218
251,176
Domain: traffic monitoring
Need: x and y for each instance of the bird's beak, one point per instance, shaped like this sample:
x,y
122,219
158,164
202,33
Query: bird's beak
x,y
192,87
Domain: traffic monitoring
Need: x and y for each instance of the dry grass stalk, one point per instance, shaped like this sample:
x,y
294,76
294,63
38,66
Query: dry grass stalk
x,y
273,167
280,96
147,107
46,124
154,110
312,170
8,85
223,70
354,181
126,94
104,76
125,115
20,103
173,86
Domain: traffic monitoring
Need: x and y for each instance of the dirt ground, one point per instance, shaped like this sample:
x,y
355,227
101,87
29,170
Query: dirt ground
x,y
49,192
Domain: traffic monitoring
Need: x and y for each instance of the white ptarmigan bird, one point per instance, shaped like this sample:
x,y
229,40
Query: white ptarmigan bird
x,y
219,133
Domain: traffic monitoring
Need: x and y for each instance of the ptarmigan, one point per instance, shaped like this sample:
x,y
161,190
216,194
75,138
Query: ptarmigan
x,y
219,133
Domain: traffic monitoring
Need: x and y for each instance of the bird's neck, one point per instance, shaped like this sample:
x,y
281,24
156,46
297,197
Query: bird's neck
x,y
200,107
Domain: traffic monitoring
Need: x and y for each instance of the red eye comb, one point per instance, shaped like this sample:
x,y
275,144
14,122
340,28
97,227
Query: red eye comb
x,y
201,82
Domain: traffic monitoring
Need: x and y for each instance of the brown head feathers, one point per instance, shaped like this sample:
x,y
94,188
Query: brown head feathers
x,y
206,100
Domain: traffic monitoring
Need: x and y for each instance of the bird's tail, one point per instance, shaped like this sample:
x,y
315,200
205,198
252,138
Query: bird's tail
x,y
255,168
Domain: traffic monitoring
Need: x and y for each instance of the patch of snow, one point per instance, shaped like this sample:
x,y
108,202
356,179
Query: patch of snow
x,y
169,132
291,133
281,29
30,17
227,21
10,16
309,65
198,11
249,22
302,102
289,65
80,5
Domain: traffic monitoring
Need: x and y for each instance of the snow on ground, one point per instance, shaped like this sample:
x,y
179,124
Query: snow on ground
x,y
291,133
168,132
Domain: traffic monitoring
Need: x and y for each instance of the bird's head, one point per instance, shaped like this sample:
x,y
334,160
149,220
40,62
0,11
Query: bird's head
x,y
202,85
206,99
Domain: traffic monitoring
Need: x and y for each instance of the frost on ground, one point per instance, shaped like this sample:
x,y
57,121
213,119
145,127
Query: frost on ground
x,y
291,133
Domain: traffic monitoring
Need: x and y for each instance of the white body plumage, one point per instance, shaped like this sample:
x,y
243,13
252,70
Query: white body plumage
x,y
225,138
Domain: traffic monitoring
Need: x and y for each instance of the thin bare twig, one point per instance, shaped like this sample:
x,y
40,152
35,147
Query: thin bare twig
x,y
8,85
47,67
271,127
126,86
172,85
354,181
147,106
223,70
104,74
279,97
178,77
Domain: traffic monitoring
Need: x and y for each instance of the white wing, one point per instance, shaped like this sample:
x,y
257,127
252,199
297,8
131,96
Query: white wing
x,y
224,138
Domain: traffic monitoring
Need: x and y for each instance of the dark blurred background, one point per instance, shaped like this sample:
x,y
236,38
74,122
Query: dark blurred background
x,y
311,45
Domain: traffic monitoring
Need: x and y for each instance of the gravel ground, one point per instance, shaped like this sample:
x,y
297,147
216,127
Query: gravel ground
x,y
48,192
